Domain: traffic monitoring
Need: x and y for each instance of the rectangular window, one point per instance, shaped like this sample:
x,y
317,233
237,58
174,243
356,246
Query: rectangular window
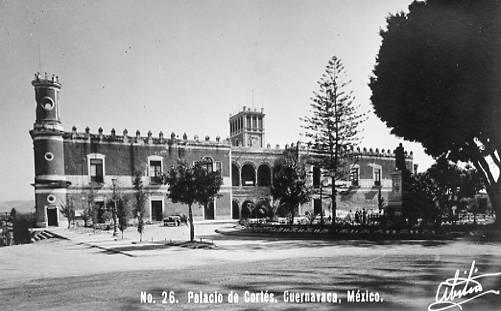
x,y
377,176
354,173
208,164
96,170
219,167
155,168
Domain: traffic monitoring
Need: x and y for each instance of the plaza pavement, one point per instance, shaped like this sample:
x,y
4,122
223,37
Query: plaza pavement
x,y
97,272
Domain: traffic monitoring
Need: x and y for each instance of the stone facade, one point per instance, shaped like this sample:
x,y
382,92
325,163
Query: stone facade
x,y
69,165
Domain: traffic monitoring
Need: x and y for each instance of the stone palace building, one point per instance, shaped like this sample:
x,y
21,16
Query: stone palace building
x,y
71,164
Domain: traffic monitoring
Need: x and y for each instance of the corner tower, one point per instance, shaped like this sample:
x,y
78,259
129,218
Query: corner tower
x,y
47,134
247,128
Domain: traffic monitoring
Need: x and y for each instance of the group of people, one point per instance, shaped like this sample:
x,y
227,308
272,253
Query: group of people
x,y
363,217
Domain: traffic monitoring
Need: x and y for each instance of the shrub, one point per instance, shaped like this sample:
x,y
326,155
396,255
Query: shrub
x,y
21,225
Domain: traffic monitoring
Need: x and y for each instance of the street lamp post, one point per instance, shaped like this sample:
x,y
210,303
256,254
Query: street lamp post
x,y
114,211
321,206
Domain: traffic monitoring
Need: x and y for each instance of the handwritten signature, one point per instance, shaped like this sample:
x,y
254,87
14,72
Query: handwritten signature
x,y
454,292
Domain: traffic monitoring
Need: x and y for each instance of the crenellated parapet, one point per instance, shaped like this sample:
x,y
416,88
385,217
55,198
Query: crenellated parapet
x,y
384,153
308,148
365,152
137,138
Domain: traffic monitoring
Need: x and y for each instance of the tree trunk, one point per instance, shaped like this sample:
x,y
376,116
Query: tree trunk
x,y
292,214
190,219
494,193
334,204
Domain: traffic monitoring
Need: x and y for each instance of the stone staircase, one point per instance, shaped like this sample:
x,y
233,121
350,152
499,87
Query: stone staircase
x,y
43,234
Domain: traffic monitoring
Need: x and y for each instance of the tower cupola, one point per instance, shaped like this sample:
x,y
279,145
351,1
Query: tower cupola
x,y
247,128
48,111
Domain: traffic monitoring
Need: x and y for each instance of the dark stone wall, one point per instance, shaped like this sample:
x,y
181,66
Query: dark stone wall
x,y
43,166
125,159
387,165
79,199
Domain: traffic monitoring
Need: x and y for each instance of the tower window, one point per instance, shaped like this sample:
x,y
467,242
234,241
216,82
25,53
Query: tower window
x,y
47,103
49,156
96,170
51,198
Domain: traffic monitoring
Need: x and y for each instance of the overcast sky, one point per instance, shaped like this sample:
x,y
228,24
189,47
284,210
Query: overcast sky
x,y
181,66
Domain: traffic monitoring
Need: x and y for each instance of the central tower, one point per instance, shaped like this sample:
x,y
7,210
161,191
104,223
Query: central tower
x,y
247,128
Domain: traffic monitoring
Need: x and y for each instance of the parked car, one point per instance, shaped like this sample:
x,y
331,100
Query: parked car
x,y
318,221
172,221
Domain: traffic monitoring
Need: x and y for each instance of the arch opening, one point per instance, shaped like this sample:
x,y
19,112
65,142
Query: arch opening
x,y
264,175
248,175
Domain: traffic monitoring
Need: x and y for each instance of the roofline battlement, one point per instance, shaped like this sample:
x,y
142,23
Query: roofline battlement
x,y
383,153
246,109
138,139
41,81
386,153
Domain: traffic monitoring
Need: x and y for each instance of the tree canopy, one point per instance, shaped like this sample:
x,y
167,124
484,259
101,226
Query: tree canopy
x,y
333,125
433,193
195,184
290,183
437,82
139,202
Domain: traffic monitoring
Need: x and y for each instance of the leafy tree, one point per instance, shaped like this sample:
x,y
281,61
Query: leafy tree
x,y
20,228
436,82
92,209
290,183
419,201
190,185
443,185
68,210
332,127
453,183
13,214
139,203
123,213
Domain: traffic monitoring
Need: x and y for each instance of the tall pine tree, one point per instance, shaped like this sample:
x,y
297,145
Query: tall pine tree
x,y
332,127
